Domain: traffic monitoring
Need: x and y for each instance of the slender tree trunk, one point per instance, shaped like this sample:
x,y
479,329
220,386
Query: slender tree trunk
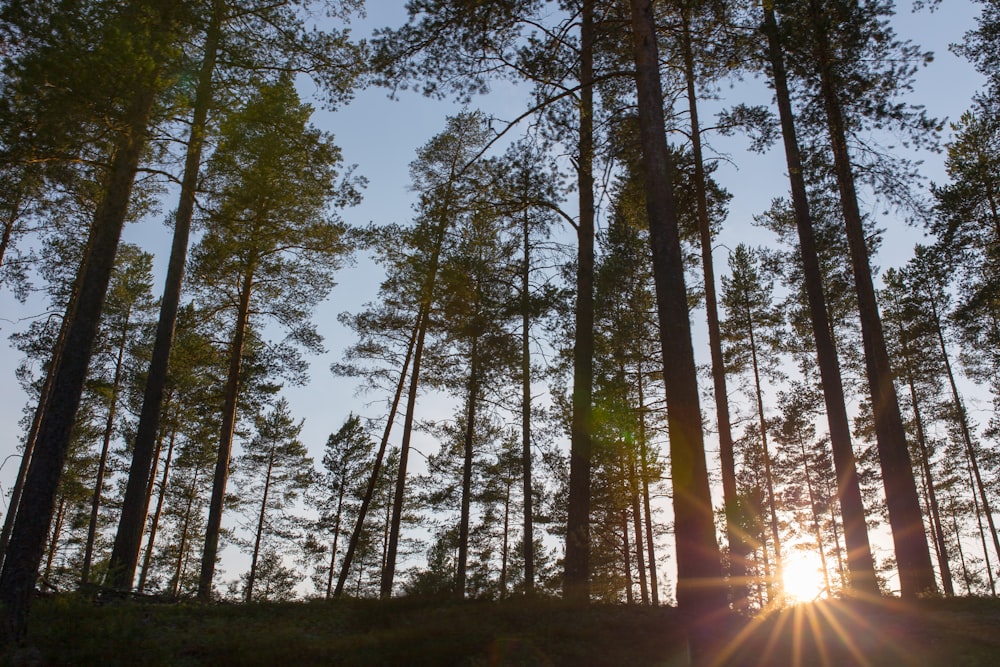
x,y
54,540
463,527
734,536
29,443
913,558
644,480
576,577
27,542
109,425
217,503
963,422
982,531
529,537
627,559
260,528
336,536
815,517
778,581
505,549
961,552
640,564
359,525
135,504
185,528
940,545
701,592
155,523
859,556
392,546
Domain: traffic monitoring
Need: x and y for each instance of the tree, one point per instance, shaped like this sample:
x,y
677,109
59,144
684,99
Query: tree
x,y
124,321
699,575
130,50
752,331
860,561
270,236
853,66
251,38
278,456
345,461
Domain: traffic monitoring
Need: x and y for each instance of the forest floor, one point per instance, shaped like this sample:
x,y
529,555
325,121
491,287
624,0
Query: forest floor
x,y
68,630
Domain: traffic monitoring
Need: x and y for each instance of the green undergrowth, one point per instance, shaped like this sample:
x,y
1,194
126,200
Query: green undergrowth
x,y
70,630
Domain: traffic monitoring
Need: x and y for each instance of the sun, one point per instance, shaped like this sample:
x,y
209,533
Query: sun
x,y
803,580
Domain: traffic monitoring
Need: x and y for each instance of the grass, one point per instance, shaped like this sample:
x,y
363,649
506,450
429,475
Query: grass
x,y
69,630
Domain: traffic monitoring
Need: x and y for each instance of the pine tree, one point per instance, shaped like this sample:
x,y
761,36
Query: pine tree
x,y
270,236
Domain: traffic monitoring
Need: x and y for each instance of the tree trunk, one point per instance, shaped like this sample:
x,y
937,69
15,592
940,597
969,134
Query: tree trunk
x,y
463,527
640,564
505,548
529,537
778,581
961,552
336,536
963,422
815,517
913,558
925,466
389,567
135,504
734,535
359,525
185,528
155,523
109,424
644,480
701,591
627,559
859,556
225,441
27,542
576,577
982,531
260,528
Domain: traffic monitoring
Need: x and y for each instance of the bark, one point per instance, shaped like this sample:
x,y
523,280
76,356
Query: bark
x,y
155,522
860,563
627,559
737,541
701,591
217,503
359,525
576,577
27,541
260,528
913,558
135,504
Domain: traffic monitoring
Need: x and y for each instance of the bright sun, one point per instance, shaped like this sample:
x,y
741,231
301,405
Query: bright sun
x,y
803,580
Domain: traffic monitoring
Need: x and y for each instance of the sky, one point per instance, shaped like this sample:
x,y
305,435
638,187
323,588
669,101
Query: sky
x,y
380,135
